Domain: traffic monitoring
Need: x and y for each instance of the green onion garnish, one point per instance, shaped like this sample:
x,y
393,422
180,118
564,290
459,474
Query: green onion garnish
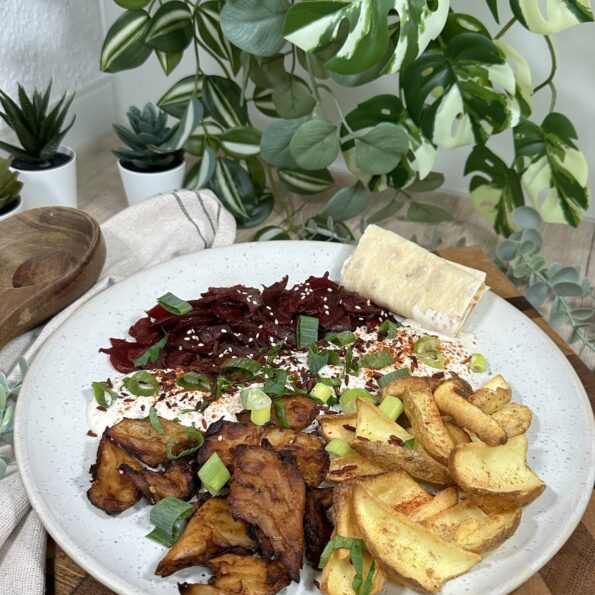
x,y
155,423
348,366
243,363
317,359
429,343
349,397
100,390
220,385
274,351
391,406
389,329
259,417
194,381
213,474
478,363
382,382
409,444
377,360
152,353
142,384
306,331
322,392
168,517
174,304
432,358
341,339
171,443
259,404
338,447
280,410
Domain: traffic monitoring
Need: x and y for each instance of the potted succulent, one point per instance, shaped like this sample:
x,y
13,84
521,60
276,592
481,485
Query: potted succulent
x,y
10,188
47,168
153,161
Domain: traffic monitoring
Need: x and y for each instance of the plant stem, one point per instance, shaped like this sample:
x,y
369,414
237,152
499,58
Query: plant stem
x,y
198,71
506,27
339,110
214,56
283,199
554,67
314,86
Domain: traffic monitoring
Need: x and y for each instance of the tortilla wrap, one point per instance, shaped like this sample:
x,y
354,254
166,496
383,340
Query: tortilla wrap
x,y
411,281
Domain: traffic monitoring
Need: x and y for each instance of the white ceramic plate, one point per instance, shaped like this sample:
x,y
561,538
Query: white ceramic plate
x,y
54,453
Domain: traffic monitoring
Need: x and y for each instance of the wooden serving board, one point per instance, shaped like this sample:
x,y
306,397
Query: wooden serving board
x,y
570,572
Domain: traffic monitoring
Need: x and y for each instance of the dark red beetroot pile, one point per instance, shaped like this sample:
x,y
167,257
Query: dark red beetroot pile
x,y
238,321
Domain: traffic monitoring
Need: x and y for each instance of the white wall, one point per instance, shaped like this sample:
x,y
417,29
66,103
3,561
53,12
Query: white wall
x,y
575,82
59,40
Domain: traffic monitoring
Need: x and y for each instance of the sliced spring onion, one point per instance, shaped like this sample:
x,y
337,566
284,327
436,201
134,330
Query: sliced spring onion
x,y
338,447
194,381
254,398
154,419
391,406
171,442
349,367
341,339
429,343
100,390
306,331
478,363
213,474
382,382
280,410
174,304
349,397
434,359
243,363
259,417
317,359
168,517
389,328
409,444
152,353
377,360
322,391
142,384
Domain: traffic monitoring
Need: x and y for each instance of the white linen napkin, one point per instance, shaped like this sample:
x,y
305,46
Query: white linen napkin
x,y
151,232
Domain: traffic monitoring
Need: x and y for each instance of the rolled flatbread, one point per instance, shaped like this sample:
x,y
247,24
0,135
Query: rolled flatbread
x,y
411,281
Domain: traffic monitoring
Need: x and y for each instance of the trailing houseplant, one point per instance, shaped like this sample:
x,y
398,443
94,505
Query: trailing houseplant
x,y
48,169
10,188
153,161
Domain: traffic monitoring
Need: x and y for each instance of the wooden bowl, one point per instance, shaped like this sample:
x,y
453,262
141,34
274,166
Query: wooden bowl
x,y
49,257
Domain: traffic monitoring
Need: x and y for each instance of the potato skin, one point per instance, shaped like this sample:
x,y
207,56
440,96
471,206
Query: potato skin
x,y
514,418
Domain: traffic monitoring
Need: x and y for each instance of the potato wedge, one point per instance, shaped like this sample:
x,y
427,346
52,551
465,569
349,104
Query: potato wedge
x,y
446,498
405,549
350,466
422,412
458,435
345,522
338,575
398,490
415,462
492,395
399,386
468,415
497,478
373,424
515,418
337,426
470,527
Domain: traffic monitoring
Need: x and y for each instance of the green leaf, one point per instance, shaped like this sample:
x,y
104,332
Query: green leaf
x,y
266,73
561,14
326,229
233,186
259,208
493,6
170,29
292,98
462,94
496,189
565,275
558,318
271,232
431,182
537,293
274,146
255,26
168,60
201,172
123,46
522,74
583,314
132,4
223,100
556,178
315,144
241,143
426,213
527,218
209,29
392,207
380,149
308,61
185,127
347,203
174,101
263,101
568,289
306,182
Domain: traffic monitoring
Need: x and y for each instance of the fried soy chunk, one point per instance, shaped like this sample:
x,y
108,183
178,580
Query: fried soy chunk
x,y
210,532
223,437
317,527
300,412
175,480
140,439
267,490
243,575
111,490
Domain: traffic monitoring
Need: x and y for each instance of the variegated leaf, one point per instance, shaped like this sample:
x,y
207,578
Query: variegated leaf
x,y
233,186
306,182
223,100
556,177
168,60
170,29
241,143
559,15
522,70
176,98
185,127
463,94
202,171
209,28
263,101
123,47
269,233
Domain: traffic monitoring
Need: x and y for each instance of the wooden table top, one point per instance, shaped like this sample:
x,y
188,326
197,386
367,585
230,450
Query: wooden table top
x,y
570,572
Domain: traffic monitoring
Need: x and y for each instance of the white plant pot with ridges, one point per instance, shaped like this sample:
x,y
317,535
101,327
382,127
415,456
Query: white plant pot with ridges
x,y
16,209
52,186
140,186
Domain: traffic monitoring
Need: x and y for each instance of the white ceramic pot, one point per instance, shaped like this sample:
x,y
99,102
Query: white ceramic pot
x,y
139,186
16,209
50,187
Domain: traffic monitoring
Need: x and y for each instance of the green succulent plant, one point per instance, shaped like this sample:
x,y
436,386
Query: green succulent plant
x,y
149,141
40,130
10,187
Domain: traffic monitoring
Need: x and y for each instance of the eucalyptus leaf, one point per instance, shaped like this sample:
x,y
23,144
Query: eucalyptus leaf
x,y
583,314
427,213
315,144
565,275
274,146
431,182
527,218
568,289
392,207
293,99
558,318
325,229
537,293
379,150
347,203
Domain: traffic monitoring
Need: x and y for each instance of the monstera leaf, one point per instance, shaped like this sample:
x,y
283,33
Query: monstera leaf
x,y
560,15
524,83
495,190
360,30
556,177
463,94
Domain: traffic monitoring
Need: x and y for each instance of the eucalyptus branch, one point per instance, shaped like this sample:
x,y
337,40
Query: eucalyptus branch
x,y
506,27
